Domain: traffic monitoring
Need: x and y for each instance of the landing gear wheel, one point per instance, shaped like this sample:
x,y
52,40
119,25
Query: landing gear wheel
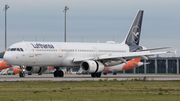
x,y
105,73
40,74
21,74
60,74
29,73
93,74
98,74
55,74
114,73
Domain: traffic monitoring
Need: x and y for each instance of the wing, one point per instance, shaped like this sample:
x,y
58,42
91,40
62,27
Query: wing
x,y
124,57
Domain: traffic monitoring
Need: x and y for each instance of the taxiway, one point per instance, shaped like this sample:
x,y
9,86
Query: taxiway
x,y
71,77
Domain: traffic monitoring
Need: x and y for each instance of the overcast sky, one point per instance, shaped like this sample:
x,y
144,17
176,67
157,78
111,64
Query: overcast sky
x,y
91,21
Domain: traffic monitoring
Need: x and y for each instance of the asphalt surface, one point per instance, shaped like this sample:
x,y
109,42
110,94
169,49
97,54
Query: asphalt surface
x,y
74,77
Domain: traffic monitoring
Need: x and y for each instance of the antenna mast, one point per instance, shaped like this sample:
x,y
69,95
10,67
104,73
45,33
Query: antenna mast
x,y
5,9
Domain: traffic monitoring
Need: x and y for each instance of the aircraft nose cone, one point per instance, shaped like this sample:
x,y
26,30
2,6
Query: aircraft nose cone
x,y
7,57
140,63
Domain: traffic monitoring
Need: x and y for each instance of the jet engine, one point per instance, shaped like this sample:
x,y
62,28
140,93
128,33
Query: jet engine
x,y
35,69
92,66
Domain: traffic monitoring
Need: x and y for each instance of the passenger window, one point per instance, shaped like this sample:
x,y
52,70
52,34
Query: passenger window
x,y
21,49
13,49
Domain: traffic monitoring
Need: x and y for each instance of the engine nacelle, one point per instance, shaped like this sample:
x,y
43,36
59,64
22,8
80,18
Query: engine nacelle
x,y
92,66
35,69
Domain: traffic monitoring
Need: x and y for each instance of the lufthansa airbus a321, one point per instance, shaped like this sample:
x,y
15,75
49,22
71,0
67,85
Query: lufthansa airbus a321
x,y
35,57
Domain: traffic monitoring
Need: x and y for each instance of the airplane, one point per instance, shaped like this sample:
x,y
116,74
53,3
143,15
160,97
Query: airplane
x,y
4,65
35,57
16,70
124,66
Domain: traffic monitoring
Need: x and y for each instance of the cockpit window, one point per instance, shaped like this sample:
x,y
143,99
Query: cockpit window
x,y
21,49
18,49
13,49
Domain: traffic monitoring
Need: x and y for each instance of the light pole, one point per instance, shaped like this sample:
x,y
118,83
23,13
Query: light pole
x,y
5,9
65,10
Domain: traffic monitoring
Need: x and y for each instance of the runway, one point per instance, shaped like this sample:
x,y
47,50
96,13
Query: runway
x,y
73,77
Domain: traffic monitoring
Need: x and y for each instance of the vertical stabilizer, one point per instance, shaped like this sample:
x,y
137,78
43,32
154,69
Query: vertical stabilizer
x,y
133,36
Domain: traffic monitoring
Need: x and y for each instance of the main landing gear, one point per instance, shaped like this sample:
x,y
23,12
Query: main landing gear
x,y
58,73
96,74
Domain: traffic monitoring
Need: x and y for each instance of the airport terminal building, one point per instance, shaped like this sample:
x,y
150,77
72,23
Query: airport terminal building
x,y
158,65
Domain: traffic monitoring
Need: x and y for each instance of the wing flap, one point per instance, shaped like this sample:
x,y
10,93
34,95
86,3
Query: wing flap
x,y
130,55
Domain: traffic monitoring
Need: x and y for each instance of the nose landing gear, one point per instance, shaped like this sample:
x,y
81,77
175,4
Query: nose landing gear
x,y
22,71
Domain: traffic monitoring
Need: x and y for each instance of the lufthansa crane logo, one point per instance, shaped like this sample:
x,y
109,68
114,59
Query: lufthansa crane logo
x,y
135,34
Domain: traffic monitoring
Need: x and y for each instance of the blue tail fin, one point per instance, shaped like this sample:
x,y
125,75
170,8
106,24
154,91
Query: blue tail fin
x,y
133,36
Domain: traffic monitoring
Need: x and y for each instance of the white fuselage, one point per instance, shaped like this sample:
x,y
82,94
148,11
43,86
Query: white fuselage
x,y
58,53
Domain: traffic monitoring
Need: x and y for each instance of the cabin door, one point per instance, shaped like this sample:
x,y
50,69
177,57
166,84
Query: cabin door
x,y
60,51
31,50
95,52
